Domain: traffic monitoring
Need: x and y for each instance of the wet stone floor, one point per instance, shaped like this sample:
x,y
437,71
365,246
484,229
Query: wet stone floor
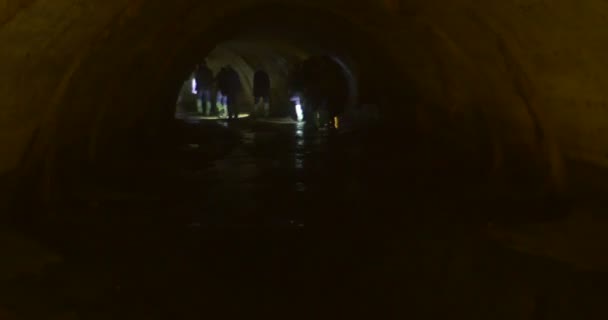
x,y
288,223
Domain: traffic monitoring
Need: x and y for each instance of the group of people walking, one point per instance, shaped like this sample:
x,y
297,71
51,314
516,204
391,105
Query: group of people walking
x,y
317,86
227,86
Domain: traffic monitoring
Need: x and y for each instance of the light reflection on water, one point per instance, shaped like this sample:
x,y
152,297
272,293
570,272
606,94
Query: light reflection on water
x,y
300,143
299,163
249,137
300,187
300,130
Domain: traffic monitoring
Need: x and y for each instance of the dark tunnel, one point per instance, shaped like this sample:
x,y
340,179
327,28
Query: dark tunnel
x,y
408,159
279,38
280,59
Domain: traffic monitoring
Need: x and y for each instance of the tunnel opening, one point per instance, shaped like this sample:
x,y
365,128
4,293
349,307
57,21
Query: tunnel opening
x,y
321,76
316,79
285,34
320,86
282,55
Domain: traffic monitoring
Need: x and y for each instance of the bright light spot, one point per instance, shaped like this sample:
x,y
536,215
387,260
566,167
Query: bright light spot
x,y
336,122
299,112
194,86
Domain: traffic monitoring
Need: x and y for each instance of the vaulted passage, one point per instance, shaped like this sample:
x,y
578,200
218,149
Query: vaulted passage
x,y
410,159
280,52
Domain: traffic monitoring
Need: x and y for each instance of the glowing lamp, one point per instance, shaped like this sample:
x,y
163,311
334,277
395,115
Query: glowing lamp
x,y
194,86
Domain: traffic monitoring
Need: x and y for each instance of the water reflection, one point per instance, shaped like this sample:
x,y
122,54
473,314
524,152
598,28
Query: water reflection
x,y
300,130
300,187
300,144
299,163
248,137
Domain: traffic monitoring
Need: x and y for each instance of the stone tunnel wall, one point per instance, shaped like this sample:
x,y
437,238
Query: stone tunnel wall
x,y
532,69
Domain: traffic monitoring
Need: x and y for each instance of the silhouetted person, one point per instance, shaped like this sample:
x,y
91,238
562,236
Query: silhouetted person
x,y
300,91
312,90
261,92
204,84
325,89
222,99
230,86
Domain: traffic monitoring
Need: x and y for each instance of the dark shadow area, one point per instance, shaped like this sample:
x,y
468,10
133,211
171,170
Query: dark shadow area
x,y
350,211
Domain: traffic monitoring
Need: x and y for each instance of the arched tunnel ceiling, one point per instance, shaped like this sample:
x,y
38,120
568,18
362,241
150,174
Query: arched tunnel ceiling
x,y
534,68
246,55
277,52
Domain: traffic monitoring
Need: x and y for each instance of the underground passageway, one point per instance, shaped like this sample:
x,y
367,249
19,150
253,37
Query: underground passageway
x,y
285,57
457,173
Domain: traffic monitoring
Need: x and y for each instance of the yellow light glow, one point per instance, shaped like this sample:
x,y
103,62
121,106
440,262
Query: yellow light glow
x,y
336,122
